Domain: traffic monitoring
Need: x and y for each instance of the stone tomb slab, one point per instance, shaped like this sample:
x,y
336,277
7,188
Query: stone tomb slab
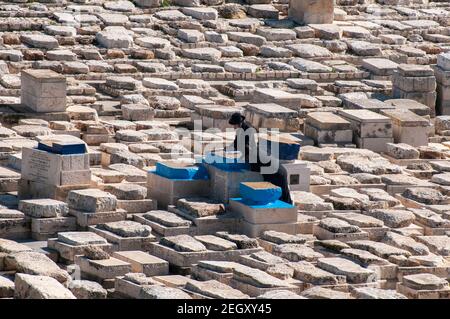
x,y
327,121
261,260
374,227
209,224
165,223
139,240
408,127
431,264
214,270
70,244
126,289
225,184
86,219
273,213
137,206
424,286
45,228
304,12
368,124
213,289
142,262
168,191
54,169
340,266
188,259
15,228
102,270
43,90
325,234
439,245
255,282
91,200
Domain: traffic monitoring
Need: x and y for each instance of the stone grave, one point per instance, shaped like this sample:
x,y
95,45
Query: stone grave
x,y
170,181
260,209
58,165
371,130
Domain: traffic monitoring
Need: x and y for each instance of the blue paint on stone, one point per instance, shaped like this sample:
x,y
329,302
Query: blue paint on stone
x,y
278,204
259,196
181,173
224,163
63,149
286,151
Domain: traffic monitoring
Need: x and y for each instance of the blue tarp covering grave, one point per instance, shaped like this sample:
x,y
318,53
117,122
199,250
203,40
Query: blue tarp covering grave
x,y
274,205
62,148
226,161
288,149
259,193
176,171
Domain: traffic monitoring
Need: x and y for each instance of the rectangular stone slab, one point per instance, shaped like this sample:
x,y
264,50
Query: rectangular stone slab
x,y
81,238
143,262
405,118
327,121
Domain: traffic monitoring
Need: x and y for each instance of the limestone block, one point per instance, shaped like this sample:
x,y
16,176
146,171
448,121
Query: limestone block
x,y
91,200
43,90
311,11
40,287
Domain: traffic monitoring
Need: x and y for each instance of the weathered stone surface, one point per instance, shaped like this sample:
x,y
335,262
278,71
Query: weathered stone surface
x,y
80,238
128,191
335,225
280,294
430,218
402,151
200,207
380,195
257,278
376,293
216,243
296,252
35,263
183,243
40,287
127,229
166,218
10,246
42,208
340,266
307,272
95,253
162,292
91,200
406,243
84,289
309,202
359,220
428,196
242,241
424,282
267,257
379,249
324,293
436,244
363,257
394,218
282,238
215,289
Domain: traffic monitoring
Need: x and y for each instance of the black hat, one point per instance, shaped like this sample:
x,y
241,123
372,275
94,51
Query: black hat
x,y
236,118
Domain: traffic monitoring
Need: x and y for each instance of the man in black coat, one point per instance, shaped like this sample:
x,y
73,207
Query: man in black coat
x,y
245,142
